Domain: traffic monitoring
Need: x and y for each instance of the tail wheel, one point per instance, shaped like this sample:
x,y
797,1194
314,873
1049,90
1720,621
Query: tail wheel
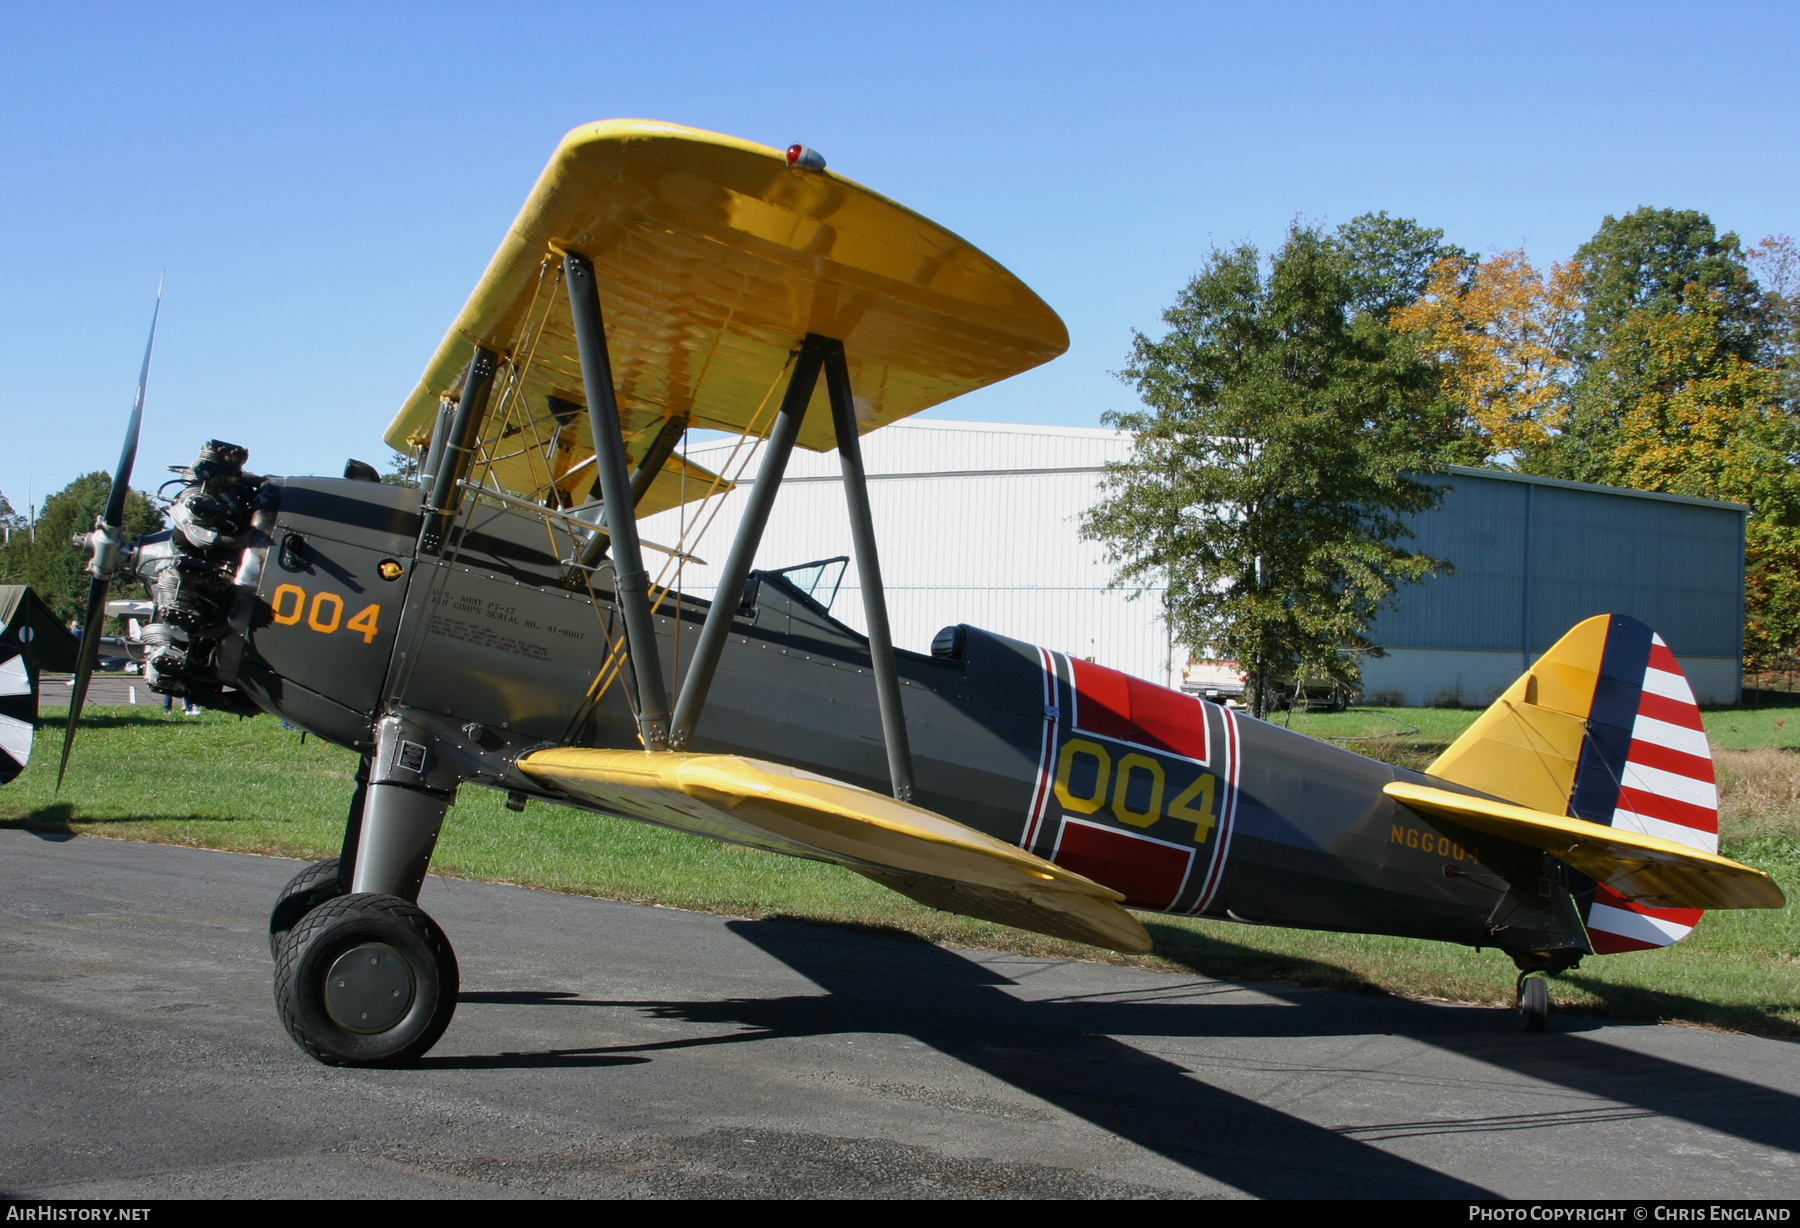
x,y
1534,1002
304,892
366,980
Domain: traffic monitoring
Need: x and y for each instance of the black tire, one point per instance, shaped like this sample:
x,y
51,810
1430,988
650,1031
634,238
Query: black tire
x,y
408,953
304,892
1534,1003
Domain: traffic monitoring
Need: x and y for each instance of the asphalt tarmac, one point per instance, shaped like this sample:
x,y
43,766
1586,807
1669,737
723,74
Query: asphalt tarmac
x,y
614,1050
105,690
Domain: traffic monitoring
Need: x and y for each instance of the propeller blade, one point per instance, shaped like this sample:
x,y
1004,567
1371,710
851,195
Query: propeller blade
x,y
114,519
91,627
115,499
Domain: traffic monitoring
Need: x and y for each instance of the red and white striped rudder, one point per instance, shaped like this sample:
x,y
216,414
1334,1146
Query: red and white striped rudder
x,y
1645,767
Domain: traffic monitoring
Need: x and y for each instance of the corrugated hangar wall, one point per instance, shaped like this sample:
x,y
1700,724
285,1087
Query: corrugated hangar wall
x,y
1533,557
978,523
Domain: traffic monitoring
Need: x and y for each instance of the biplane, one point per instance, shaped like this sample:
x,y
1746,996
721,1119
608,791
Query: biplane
x,y
498,624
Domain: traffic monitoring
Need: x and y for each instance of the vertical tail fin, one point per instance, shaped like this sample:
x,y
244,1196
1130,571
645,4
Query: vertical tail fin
x,y
1603,727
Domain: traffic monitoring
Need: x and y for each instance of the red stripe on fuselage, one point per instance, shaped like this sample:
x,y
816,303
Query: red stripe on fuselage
x,y
1168,720
1150,873
1103,700
1127,709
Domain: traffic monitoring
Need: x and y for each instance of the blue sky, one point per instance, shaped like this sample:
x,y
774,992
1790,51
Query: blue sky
x,y
324,184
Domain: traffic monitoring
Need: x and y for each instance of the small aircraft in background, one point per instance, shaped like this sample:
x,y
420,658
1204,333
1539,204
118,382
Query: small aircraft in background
x,y
497,625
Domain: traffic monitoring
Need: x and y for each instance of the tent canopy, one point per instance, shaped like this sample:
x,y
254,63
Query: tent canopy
x,y
27,622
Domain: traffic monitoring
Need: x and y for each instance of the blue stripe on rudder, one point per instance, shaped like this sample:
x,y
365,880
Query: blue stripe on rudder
x,y
1610,720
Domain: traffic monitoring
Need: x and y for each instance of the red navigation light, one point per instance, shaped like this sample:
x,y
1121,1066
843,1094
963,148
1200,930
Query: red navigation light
x,y
804,158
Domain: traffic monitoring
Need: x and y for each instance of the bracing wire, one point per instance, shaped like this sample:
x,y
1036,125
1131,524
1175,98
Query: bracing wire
x,y
710,504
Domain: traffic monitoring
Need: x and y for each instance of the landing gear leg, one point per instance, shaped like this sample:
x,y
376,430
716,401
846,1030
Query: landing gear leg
x,y
1532,993
367,978
1533,998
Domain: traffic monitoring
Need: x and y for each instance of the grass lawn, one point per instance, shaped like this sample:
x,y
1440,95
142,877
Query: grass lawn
x,y
1426,731
217,782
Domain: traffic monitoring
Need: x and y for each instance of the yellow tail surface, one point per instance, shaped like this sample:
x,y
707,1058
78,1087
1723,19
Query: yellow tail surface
x,y
1527,745
1600,755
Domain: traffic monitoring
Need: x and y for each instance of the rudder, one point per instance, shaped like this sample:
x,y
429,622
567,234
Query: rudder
x,y
1603,727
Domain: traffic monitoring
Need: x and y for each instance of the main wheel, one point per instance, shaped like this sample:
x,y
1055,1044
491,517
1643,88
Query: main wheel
x,y
304,892
1534,1002
366,980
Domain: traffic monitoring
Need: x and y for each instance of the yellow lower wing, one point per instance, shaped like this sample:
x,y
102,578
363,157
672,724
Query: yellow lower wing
x,y
1645,869
935,860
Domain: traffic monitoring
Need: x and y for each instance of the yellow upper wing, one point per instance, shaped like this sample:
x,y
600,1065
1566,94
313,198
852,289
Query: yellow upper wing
x,y
935,860
1645,869
714,259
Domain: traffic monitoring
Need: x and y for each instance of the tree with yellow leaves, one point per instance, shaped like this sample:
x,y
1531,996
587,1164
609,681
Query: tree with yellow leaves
x,y
1700,419
1496,329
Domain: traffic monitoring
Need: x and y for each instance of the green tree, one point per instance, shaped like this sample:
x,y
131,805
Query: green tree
x,y
1776,263
1702,420
403,469
15,536
1645,262
1269,479
54,566
1647,259
1389,260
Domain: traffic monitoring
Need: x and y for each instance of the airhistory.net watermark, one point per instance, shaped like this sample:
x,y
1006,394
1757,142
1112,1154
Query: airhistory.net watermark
x,y
53,1213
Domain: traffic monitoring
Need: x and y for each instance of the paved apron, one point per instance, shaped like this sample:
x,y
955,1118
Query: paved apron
x,y
606,1049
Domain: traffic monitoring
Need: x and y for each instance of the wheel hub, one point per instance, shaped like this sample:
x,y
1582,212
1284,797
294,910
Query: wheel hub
x,y
369,988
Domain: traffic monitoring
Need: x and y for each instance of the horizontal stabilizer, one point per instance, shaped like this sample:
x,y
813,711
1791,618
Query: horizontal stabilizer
x,y
918,853
1643,869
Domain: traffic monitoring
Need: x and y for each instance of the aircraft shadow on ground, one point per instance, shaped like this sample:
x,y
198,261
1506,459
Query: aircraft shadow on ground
x,y
1059,1052
1641,1003
1216,957
112,718
46,822
1064,1052
1212,956
55,821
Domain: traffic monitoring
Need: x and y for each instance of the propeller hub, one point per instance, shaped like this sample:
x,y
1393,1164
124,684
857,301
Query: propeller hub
x,y
106,548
